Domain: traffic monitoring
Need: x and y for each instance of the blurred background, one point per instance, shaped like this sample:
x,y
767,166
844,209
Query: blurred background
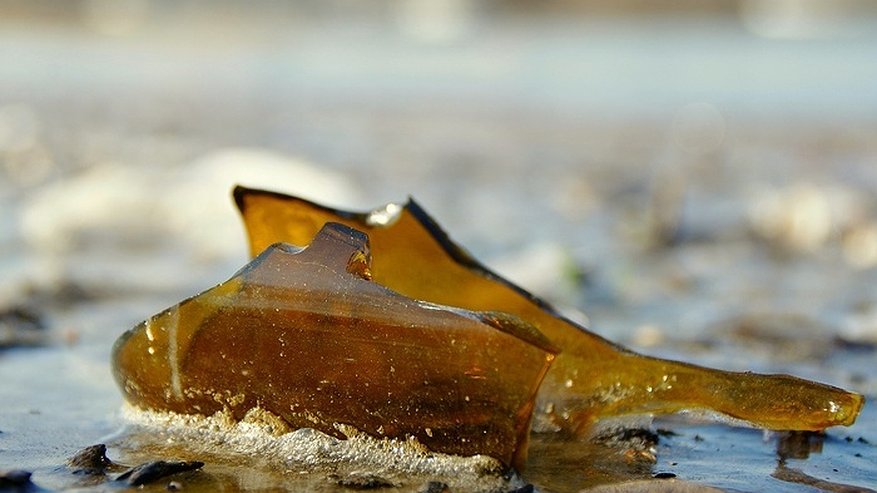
x,y
695,179
560,135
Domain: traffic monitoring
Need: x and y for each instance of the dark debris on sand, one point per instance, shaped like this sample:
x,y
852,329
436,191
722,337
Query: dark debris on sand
x,y
91,460
21,326
15,478
152,471
364,482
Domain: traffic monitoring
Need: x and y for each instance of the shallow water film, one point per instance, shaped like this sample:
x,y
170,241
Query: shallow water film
x,y
696,187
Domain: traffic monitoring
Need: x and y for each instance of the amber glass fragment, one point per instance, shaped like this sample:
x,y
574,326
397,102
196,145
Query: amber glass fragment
x,y
304,334
592,377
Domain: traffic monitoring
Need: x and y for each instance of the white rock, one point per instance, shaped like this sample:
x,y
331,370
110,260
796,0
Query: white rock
x,y
113,213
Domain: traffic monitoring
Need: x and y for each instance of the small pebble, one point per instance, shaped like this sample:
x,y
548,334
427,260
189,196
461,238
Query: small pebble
x,y
664,475
152,471
90,460
174,486
14,478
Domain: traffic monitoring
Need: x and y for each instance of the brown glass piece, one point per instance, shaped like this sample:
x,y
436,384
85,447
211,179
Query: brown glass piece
x,y
306,335
591,377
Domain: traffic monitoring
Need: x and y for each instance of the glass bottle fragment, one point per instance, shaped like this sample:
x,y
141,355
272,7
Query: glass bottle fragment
x,y
592,377
305,334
